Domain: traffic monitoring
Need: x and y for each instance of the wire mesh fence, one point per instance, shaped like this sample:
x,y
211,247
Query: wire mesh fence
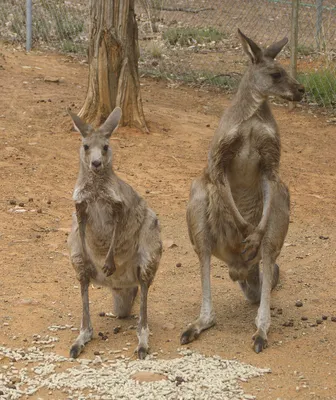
x,y
195,41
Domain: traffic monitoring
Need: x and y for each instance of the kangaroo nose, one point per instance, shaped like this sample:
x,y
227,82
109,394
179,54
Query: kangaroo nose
x,y
96,163
301,89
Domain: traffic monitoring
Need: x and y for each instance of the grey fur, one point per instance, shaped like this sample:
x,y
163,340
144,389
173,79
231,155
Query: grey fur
x,y
238,208
115,237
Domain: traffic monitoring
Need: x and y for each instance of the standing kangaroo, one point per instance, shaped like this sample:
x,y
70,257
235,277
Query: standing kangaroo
x,y
238,209
115,236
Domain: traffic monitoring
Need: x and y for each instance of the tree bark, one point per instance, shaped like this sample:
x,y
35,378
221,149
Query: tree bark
x,y
113,64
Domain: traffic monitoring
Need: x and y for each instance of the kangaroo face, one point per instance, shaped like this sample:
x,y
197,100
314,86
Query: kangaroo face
x,y
95,152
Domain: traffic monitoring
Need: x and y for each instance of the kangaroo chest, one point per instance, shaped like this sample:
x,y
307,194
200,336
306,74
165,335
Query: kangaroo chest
x,y
102,222
244,168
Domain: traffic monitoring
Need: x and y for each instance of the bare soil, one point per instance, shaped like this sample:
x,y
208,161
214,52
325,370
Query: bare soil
x,y
38,167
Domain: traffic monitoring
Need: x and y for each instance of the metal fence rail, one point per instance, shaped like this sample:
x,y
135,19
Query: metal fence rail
x,y
195,41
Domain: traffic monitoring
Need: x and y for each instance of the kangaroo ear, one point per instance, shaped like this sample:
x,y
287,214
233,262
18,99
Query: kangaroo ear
x,y
251,49
82,127
111,123
274,49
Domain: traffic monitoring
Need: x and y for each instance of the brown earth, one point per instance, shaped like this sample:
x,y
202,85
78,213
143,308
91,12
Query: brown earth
x,y
39,161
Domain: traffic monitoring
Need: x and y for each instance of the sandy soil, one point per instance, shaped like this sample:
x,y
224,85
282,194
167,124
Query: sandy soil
x,y
38,167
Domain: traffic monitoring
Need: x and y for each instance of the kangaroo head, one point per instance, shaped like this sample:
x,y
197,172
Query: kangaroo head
x,y
95,151
265,75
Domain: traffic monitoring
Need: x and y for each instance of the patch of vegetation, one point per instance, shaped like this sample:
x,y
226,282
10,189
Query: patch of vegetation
x,y
304,50
155,50
320,87
68,46
67,26
189,36
227,82
54,25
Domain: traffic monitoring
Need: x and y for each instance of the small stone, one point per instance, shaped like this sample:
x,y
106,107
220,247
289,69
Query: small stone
x,y
333,319
178,265
11,386
169,244
322,237
208,125
21,204
117,329
179,380
102,314
279,310
12,202
288,323
147,191
324,317
51,79
49,202
39,210
319,321
38,236
103,336
312,325
30,199
304,318
146,376
298,303
96,353
168,326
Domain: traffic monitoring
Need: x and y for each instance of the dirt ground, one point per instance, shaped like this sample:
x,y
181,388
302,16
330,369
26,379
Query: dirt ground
x,y
38,167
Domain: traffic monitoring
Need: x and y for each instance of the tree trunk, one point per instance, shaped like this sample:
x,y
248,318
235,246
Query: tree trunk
x,y
113,64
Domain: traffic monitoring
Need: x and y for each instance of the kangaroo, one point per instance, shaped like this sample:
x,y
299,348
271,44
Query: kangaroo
x,y
115,237
238,209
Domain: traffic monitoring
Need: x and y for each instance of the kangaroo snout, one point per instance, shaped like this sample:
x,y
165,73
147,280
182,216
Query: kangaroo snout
x,y
300,91
96,164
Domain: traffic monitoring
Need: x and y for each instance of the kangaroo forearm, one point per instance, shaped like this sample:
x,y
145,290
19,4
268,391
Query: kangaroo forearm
x,y
109,265
82,220
110,254
238,218
267,202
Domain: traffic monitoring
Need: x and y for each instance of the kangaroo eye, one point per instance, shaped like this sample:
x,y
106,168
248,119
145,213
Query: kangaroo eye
x,y
105,148
276,75
86,147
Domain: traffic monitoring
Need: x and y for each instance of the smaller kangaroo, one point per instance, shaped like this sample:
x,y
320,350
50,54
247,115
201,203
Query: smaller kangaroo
x,y
115,237
238,209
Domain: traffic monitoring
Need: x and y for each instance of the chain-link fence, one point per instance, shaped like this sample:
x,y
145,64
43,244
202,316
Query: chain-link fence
x,y
195,41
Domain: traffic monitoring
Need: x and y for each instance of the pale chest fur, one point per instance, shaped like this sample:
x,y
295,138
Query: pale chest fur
x,y
102,221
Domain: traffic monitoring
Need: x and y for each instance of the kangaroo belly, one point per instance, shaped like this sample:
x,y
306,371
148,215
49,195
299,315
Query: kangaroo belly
x,y
125,276
249,203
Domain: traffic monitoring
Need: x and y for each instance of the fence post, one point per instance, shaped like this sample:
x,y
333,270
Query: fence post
x,y
29,7
319,12
294,42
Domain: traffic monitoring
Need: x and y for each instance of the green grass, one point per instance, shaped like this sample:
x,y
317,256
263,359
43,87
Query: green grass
x,y
190,36
68,46
155,50
304,50
320,87
224,82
